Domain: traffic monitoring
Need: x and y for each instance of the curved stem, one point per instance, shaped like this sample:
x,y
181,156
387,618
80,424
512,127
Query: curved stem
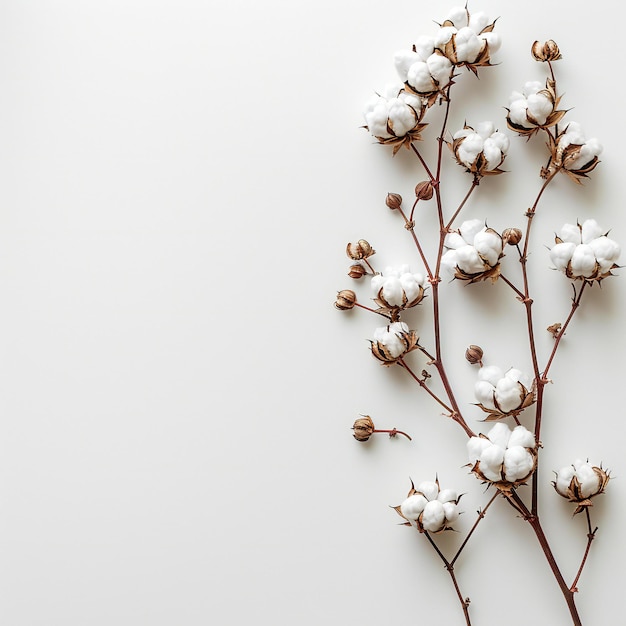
x,y
591,535
535,524
475,182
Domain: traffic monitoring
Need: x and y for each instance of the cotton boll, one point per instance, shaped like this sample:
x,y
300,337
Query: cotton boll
x,y
413,506
447,495
484,393
493,154
561,254
499,434
490,373
588,479
476,446
606,251
478,21
508,394
420,78
539,107
590,230
429,489
439,68
404,59
468,45
454,241
433,517
424,46
564,478
489,245
518,111
470,228
402,118
570,233
485,129
451,511
521,436
458,16
494,41
583,261
518,463
444,35
492,458
468,260
449,262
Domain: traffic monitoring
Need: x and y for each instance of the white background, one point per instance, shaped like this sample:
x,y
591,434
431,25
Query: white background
x,y
178,181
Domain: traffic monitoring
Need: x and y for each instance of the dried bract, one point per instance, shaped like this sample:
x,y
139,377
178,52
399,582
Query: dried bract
x,y
548,51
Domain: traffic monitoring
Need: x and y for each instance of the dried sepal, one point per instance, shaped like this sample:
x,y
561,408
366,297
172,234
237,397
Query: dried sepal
x,y
547,51
346,300
360,250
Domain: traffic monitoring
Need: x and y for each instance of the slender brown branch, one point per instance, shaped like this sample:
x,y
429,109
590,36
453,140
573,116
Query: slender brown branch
x,y
423,385
591,535
410,226
475,182
520,295
481,514
535,524
450,569
366,308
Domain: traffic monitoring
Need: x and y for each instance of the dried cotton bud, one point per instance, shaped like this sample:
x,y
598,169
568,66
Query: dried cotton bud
x,y
346,300
424,190
359,250
474,354
512,236
429,508
363,428
505,458
393,201
357,271
584,252
580,482
547,51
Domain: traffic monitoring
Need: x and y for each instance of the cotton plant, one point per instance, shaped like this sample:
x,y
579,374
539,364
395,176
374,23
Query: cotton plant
x,y
421,113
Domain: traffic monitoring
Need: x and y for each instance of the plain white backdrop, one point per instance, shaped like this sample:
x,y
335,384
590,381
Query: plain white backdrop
x,y
178,181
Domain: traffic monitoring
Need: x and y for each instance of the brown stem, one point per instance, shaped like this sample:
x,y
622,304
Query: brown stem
x,y
475,182
366,308
392,432
591,535
410,226
535,524
481,514
450,569
423,385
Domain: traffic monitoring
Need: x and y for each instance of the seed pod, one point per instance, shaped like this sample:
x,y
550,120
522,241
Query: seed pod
x,y
363,428
346,299
424,190
359,250
474,354
512,236
357,271
393,201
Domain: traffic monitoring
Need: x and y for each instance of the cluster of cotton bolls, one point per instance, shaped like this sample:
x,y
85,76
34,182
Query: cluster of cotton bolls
x,y
430,508
502,393
398,288
393,341
503,456
473,251
580,482
394,116
481,150
584,252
